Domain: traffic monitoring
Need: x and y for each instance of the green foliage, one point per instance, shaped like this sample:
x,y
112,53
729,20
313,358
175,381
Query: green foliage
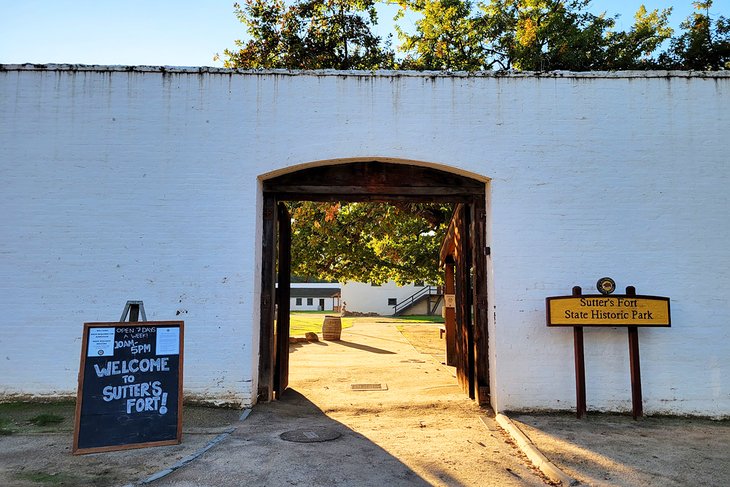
x,y
634,49
368,242
447,37
309,34
704,44
529,35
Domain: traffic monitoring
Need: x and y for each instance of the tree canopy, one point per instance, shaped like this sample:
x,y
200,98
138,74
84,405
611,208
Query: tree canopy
x,y
368,242
704,43
309,34
528,35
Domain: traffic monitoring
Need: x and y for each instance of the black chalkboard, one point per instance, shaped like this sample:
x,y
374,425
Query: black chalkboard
x,y
130,386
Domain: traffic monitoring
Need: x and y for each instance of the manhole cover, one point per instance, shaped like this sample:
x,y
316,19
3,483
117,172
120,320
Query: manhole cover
x,y
310,435
369,387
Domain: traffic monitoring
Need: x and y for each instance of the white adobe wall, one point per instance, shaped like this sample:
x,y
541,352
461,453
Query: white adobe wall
x,y
422,308
141,184
366,298
329,302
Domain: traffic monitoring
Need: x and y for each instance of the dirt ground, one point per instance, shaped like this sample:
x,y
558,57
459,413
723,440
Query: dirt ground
x,y
417,428
423,418
411,425
41,455
615,450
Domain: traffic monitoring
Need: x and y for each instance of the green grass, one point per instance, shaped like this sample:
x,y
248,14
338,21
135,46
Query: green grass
x,y
59,478
46,419
33,417
6,427
420,319
303,321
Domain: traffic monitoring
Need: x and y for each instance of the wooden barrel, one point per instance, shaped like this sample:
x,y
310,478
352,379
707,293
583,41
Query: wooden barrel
x,y
331,328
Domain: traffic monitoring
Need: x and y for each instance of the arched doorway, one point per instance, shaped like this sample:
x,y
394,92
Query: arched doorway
x,y
382,182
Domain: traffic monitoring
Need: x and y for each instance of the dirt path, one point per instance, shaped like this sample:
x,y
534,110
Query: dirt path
x,y
419,430
608,450
423,418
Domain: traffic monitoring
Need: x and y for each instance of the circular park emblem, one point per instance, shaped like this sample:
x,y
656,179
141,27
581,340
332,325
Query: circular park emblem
x,y
606,285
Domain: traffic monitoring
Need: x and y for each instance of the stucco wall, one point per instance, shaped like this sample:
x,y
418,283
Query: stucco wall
x,y
366,298
329,304
142,184
329,301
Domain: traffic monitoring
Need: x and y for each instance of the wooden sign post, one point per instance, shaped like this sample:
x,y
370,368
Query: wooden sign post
x,y
130,386
629,310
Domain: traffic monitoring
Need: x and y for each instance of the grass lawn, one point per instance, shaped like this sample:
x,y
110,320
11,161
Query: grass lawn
x,y
419,319
36,417
304,321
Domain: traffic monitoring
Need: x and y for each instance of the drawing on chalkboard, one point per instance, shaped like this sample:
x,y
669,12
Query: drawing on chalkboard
x,y
130,386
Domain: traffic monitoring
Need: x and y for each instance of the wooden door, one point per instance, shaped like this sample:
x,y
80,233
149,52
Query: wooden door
x,y
480,308
464,336
283,301
463,256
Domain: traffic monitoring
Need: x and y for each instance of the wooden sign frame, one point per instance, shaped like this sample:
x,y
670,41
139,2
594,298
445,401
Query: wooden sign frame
x,y
612,310
632,321
114,368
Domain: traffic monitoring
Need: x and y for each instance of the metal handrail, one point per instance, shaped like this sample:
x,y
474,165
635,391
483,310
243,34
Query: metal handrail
x,y
411,300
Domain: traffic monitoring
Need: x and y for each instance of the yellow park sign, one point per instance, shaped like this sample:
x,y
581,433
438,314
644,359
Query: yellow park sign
x,y
604,310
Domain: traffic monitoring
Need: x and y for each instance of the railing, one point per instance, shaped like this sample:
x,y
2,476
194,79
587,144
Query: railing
x,y
415,297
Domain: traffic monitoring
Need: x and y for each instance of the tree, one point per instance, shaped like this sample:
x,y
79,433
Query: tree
x,y
529,35
368,242
447,37
634,49
704,44
309,34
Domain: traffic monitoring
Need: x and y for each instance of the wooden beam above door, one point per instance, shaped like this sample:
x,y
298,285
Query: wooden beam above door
x,y
374,181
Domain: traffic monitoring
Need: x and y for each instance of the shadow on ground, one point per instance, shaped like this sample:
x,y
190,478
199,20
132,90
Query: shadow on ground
x,y
255,454
615,450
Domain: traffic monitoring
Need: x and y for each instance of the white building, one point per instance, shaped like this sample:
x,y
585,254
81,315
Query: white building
x,y
315,296
389,298
148,183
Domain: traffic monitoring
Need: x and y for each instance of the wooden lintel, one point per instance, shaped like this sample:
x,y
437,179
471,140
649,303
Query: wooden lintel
x,y
363,197
408,191
374,181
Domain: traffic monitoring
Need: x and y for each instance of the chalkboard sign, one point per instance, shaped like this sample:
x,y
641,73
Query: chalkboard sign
x,y
130,386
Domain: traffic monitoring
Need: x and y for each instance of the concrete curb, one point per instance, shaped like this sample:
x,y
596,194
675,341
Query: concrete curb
x,y
535,456
193,456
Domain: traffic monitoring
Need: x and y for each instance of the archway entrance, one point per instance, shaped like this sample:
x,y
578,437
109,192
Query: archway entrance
x,y
382,182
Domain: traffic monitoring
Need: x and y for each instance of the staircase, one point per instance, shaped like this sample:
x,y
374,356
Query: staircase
x,y
433,294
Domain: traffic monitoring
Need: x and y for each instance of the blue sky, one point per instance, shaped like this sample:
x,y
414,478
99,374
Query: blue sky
x,y
167,32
